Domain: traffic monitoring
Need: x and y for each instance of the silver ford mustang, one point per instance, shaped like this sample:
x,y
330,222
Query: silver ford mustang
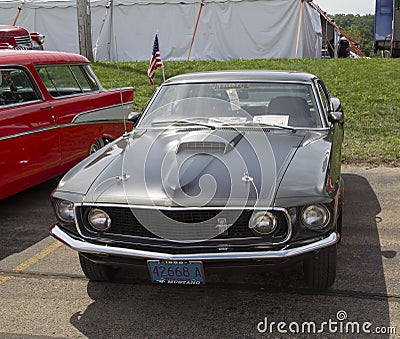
x,y
228,168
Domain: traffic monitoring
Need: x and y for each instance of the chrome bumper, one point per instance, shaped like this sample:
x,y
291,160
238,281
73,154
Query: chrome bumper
x,y
87,247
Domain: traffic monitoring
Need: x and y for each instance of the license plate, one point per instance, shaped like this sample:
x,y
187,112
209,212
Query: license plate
x,y
176,272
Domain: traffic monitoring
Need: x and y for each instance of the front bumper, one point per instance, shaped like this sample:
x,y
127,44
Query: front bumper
x,y
87,247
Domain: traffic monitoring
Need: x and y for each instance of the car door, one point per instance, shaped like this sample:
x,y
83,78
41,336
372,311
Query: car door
x,y
70,96
29,141
84,112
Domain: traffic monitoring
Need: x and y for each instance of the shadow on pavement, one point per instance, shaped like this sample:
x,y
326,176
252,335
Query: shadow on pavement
x,y
233,305
26,218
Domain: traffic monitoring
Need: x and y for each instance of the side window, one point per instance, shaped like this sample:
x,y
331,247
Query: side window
x,y
16,87
59,80
64,80
84,78
323,96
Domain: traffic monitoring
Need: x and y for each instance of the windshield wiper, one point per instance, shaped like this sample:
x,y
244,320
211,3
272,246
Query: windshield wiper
x,y
290,128
182,121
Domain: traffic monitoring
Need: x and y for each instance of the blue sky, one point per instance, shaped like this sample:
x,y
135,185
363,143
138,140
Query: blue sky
x,y
361,7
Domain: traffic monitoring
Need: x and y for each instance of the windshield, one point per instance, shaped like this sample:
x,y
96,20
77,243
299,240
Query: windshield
x,y
274,104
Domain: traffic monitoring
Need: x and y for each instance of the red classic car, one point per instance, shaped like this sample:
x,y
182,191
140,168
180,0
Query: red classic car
x,y
53,113
15,37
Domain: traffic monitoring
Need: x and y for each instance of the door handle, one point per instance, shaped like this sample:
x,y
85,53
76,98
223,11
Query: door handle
x,y
46,107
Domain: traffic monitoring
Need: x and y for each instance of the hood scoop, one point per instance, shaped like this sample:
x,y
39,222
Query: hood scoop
x,y
209,147
213,147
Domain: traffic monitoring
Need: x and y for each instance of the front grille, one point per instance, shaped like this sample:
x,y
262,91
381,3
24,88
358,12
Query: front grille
x,y
23,40
190,224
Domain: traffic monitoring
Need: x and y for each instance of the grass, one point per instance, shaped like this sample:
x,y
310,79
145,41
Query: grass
x,y
369,90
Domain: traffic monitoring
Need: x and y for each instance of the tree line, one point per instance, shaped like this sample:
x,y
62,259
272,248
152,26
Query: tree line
x,y
359,28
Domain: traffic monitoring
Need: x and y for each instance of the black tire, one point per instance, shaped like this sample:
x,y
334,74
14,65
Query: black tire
x,y
94,271
99,143
339,226
320,270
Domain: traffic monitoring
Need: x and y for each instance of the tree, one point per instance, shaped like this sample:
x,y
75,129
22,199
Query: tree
x,y
84,28
359,28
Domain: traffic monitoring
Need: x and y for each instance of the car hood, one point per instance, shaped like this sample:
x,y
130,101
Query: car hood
x,y
201,167
11,31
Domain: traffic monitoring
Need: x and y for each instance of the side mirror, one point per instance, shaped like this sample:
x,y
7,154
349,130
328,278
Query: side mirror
x,y
334,117
133,117
336,105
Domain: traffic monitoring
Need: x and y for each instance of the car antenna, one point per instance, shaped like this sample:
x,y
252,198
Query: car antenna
x,y
123,175
126,134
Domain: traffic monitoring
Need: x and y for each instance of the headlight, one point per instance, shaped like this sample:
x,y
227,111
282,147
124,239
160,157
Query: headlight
x,y
263,223
65,210
99,220
41,38
315,217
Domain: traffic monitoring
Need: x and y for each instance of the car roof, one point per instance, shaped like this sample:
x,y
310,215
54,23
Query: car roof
x,y
243,75
25,57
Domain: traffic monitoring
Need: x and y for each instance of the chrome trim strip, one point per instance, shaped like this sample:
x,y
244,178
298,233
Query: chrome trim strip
x,y
170,82
19,104
179,208
87,247
125,105
31,132
73,123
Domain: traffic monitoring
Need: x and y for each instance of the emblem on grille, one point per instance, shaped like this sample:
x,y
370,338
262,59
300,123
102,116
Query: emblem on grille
x,y
222,226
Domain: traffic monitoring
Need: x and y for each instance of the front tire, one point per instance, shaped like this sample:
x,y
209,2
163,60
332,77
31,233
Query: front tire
x,y
320,270
94,271
339,226
99,143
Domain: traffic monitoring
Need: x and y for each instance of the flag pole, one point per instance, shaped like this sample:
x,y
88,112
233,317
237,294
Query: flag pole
x,y
195,28
162,67
163,74
155,61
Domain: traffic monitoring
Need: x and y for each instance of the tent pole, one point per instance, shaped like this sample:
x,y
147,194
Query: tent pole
x,y
359,51
19,12
299,27
111,33
108,5
330,45
195,28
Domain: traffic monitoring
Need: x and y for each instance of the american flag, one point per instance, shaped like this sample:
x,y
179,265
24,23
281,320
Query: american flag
x,y
155,60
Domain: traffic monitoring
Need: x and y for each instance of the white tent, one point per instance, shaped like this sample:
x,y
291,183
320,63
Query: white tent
x,y
234,29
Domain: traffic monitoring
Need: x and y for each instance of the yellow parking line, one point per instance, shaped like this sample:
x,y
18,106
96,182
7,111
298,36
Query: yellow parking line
x,y
31,261
4,279
37,257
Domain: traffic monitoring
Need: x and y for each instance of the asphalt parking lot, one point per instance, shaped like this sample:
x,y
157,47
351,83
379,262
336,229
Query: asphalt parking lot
x,y
43,293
